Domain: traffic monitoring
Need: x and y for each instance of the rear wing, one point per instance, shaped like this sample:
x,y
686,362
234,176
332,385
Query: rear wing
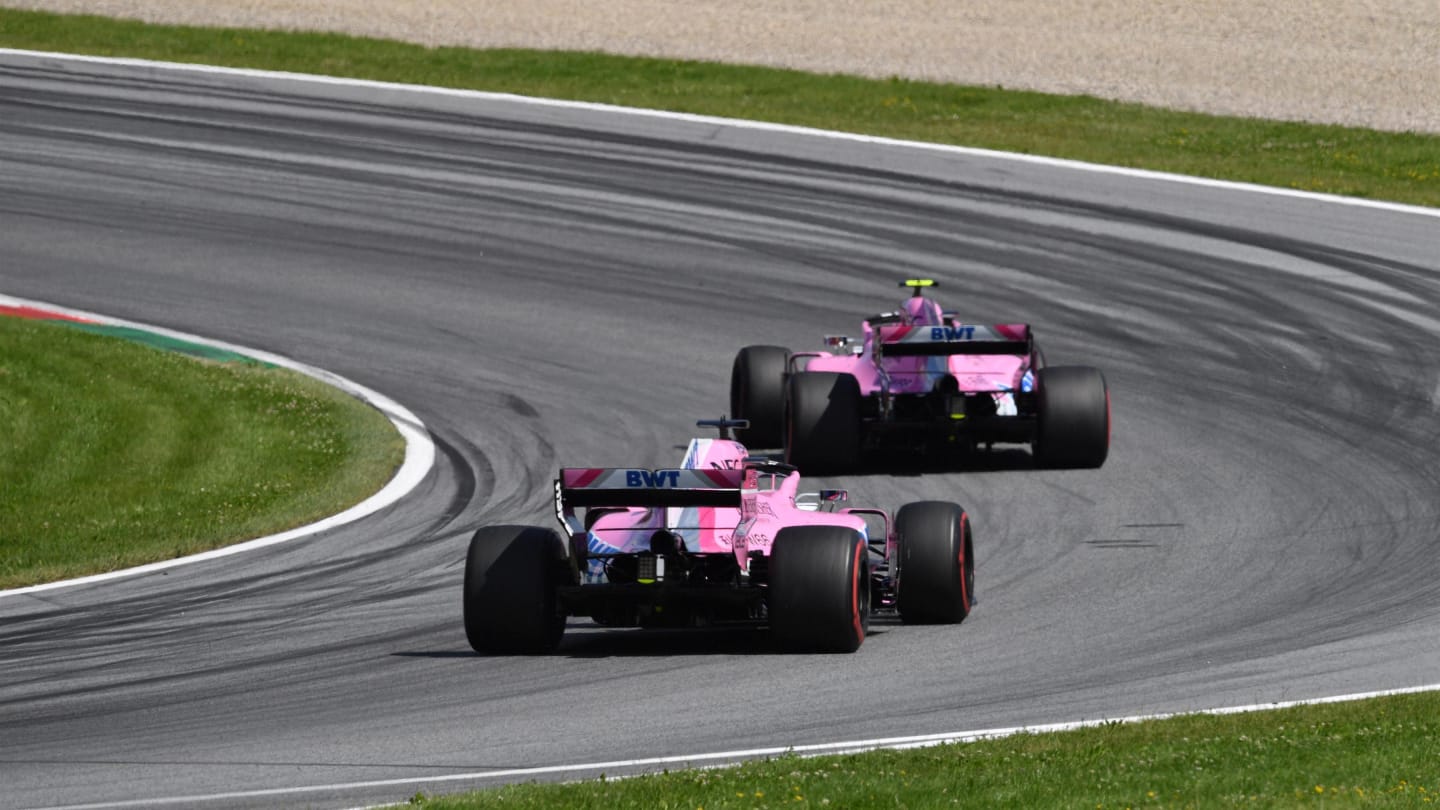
x,y
619,487
935,341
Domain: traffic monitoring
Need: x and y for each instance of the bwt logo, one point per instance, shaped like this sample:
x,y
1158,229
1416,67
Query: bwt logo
x,y
952,332
659,478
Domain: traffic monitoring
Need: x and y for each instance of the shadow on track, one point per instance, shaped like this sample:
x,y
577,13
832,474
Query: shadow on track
x,y
898,463
1008,459
590,641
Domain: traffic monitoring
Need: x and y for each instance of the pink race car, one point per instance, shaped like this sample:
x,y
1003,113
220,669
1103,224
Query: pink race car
x,y
920,381
723,539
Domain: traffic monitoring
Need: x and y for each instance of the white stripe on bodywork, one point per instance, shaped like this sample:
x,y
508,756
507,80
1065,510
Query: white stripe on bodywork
x,y
696,451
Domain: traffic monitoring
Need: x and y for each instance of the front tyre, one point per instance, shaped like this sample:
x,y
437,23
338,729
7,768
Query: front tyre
x,y
937,563
511,575
1073,405
757,393
819,593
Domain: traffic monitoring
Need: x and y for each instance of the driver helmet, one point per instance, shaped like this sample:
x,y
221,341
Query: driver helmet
x,y
920,311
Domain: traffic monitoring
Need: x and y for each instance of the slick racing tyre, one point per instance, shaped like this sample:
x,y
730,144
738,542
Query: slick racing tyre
x,y
937,563
822,422
819,593
757,393
511,574
1073,405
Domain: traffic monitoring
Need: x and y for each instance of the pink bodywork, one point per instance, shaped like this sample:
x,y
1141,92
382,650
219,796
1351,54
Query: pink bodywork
x,y
922,322
767,503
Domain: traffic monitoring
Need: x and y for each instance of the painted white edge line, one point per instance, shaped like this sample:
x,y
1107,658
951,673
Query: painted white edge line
x,y
410,427
822,749
419,450
744,124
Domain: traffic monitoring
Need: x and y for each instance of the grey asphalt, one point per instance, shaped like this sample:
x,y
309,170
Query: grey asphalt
x,y
548,286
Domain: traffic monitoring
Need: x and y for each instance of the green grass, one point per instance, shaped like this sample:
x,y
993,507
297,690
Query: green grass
x,y
1377,753
118,454
167,481
1333,159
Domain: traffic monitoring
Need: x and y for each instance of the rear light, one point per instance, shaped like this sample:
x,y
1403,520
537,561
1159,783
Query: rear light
x,y
651,569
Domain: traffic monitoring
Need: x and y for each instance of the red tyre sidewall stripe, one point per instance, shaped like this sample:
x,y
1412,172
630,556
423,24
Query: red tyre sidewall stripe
x,y
855,592
1107,419
964,533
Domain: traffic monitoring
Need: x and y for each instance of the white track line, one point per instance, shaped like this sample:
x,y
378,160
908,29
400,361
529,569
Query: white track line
x,y
723,757
412,426
419,450
740,124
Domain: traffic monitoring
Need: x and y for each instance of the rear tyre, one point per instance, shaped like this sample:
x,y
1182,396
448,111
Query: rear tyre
x,y
822,422
937,563
819,591
757,393
511,573
1073,404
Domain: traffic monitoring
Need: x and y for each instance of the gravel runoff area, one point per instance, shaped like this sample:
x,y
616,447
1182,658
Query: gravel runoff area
x,y
1373,63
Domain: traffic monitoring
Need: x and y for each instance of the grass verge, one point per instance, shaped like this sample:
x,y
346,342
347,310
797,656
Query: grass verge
x,y
1380,753
119,454
1339,160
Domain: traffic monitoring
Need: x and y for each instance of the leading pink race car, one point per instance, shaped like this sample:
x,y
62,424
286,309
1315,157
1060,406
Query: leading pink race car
x,y
920,381
723,539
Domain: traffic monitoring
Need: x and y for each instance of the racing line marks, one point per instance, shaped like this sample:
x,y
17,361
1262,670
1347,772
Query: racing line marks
x,y
724,758
720,124
1121,543
1134,542
412,426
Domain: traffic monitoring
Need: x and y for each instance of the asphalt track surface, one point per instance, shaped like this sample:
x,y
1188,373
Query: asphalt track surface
x,y
548,286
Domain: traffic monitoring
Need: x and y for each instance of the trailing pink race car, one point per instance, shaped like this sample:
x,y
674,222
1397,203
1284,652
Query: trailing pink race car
x,y
921,381
723,539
